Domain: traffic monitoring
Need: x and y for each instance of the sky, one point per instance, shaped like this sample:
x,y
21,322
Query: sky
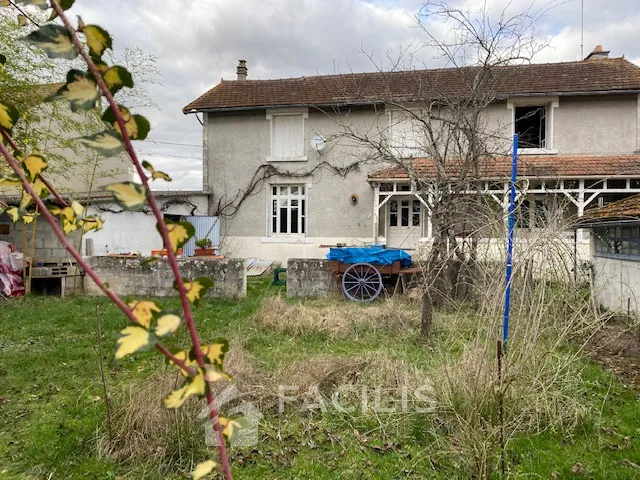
x,y
198,42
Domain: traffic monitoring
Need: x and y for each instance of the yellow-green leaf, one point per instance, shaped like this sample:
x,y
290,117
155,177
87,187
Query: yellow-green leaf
x,y
144,310
93,222
22,20
98,39
230,428
64,4
129,195
41,4
28,218
107,143
9,115
133,339
117,77
34,164
137,126
214,353
203,469
81,91
194,386
179,233
11,180
5,3
14,213
155,174
55,40
167,323
197,288
40,191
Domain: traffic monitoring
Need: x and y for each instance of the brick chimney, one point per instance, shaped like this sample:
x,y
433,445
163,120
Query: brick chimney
x,y
242,70
598,53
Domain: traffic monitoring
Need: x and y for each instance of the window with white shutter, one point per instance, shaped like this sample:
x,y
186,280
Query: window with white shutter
x,y
287,135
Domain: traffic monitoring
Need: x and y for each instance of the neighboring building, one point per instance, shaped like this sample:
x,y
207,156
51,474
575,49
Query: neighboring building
x,y
273,150
84,173
615,248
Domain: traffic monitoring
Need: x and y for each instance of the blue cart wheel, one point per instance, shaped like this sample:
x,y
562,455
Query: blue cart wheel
x,y
362,282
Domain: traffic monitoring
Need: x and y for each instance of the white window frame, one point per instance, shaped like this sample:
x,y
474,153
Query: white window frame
x,y
551,103
277,237
275,112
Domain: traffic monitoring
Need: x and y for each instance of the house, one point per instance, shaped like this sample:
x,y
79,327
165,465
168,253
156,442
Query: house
x,y
287,181
72,169
615,249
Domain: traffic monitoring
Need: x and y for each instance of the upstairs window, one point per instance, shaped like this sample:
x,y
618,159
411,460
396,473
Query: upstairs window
x,y
287,135
288,209
531,126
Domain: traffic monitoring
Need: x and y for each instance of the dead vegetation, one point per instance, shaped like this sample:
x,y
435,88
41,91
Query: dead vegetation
x,y
337,319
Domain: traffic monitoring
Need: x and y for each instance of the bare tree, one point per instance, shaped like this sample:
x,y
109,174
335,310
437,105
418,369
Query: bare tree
x,y
450,126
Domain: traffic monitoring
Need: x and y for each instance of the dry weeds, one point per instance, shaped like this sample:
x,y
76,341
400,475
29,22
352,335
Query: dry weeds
x,y
339,319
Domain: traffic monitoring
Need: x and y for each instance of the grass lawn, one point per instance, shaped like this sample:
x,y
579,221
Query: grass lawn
x,y
52,411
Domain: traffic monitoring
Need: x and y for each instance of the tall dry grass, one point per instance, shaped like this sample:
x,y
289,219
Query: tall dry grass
x,y
338,318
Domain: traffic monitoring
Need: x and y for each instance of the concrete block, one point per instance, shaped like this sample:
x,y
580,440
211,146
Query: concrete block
x,y
127,277
309,277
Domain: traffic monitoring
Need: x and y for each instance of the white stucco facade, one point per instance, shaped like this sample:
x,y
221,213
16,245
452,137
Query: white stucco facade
x,y
238,147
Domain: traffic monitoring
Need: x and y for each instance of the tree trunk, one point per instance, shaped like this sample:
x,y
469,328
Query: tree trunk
x,y
426,317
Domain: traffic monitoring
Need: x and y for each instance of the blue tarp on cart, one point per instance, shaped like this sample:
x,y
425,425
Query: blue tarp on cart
x,y
377,256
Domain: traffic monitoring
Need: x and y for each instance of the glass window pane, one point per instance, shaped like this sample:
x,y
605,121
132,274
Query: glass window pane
x,y
303,229
405,217
304,207
284,190
393,220
415,220
274,224
294,203
294,220
283,220
284,202
274,191
294,190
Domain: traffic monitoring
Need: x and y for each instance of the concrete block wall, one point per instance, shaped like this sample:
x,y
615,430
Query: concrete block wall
x,y
308,277
128,277
47,246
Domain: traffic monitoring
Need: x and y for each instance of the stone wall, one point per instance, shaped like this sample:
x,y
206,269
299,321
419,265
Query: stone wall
x,y
308,277
127,277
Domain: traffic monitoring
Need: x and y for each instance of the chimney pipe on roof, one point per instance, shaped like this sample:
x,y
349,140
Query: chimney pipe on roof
x,y
242,70
598,53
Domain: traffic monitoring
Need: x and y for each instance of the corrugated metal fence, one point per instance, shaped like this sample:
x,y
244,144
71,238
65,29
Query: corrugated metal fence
x,y
206,227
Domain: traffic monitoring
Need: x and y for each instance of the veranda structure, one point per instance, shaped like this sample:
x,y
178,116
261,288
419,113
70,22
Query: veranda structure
x,y
571,184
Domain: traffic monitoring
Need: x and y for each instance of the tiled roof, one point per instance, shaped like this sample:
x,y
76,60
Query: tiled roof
x,y
540,166
598,75
626,209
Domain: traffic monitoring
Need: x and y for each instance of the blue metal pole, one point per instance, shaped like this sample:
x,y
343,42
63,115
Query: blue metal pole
x,y
512,221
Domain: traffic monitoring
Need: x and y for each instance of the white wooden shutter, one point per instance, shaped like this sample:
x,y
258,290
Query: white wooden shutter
x,y
287,136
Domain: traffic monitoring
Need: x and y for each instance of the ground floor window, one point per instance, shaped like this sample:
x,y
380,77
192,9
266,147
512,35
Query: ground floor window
x,y
288,209
621,241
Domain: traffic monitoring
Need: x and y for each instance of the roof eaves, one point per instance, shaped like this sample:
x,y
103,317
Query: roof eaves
x,y
289,105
